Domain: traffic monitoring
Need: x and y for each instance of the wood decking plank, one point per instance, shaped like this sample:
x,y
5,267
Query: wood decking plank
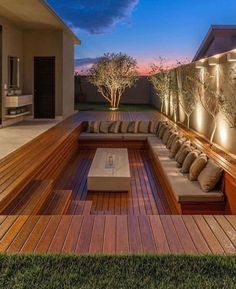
x,y
208,235
72,235
96,244
148,243
109,243
196,235
183,234
85,235
135,241
159,234
171,235
220,235
122,238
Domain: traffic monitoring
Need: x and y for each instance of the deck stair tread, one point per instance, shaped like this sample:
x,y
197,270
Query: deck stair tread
x,y
32,199
60,202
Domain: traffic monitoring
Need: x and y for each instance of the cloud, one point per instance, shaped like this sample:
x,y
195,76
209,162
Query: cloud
x,y
82,65
94,16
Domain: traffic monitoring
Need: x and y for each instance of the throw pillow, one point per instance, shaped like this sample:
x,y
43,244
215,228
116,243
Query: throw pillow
x,y
190,158
124,126
144,126
104,126
115,126
197,166
210,176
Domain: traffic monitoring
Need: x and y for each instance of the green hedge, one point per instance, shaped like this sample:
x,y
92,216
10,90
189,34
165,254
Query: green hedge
x,y
116,272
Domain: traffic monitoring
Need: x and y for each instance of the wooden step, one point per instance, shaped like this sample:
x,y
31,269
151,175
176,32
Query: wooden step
x,y
31,200
60,202
84,208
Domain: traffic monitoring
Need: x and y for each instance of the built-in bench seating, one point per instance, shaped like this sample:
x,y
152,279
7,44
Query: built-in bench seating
x,y
185,195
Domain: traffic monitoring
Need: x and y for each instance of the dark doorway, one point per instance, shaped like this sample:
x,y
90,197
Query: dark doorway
x,y
0,75
44,87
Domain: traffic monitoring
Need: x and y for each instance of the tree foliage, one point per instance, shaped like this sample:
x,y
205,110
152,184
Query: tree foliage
x,y
160,79
112,74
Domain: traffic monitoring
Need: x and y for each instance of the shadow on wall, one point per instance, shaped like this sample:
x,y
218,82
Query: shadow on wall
x,y
141,93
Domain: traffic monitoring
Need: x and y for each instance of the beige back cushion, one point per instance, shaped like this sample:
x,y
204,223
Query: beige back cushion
x,y
115,126
124,126
175,147
183,146
182,156
210,176
94,126
133,127
172,138
166,136
154,126
162,129
104,126
197,166
144,126
190,158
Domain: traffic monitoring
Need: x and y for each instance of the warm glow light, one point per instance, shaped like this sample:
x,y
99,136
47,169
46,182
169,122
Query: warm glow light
x,y
199,115
199,64
213,61
223,132
231,57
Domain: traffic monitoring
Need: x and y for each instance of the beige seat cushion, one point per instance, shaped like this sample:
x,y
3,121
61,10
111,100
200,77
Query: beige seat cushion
x,y
144,126
136,136
190,158
115,126
94,126
197,166
183,189
101,136
210,176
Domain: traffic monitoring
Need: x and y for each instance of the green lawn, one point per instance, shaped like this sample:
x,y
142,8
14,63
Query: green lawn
x,y
105,107
123,272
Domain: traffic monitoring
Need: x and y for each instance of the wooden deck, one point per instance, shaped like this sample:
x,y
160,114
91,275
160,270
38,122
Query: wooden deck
x,y
118,234
54,214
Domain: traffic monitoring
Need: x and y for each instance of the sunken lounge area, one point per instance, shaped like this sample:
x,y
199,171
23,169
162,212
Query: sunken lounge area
x,y
55,196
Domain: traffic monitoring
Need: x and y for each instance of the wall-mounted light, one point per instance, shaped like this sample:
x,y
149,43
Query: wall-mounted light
x,y
199,64
213,61
231,56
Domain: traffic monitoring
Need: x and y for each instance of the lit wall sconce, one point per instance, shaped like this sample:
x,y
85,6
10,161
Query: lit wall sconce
x,y
231,57
199,64
213,61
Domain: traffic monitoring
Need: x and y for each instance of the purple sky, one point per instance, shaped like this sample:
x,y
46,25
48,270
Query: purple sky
x,y
145,29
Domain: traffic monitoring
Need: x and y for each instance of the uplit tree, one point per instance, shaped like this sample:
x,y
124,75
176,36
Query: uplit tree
x,y
228,98
160,79
174,93
112,74
188,100
210,97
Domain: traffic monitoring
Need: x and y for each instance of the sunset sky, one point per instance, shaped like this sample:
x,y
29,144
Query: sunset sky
x,y
144,29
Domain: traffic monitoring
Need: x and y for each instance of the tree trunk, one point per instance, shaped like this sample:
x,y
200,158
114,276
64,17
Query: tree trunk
x,y
213,132
162,105
188,120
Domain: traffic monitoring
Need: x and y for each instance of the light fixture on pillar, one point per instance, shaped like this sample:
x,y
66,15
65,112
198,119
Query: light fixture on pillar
x,y
231,56
199,64
213,61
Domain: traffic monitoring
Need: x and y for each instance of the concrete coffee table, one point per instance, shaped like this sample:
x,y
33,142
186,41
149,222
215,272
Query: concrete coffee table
x,y
110,171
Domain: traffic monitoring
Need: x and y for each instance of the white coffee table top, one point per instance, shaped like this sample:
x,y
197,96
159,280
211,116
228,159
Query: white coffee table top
x,y
100,165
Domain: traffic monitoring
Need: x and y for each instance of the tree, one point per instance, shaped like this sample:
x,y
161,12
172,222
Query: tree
x,y
210,96
112,74
174,93
189,79
160,79
228,97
